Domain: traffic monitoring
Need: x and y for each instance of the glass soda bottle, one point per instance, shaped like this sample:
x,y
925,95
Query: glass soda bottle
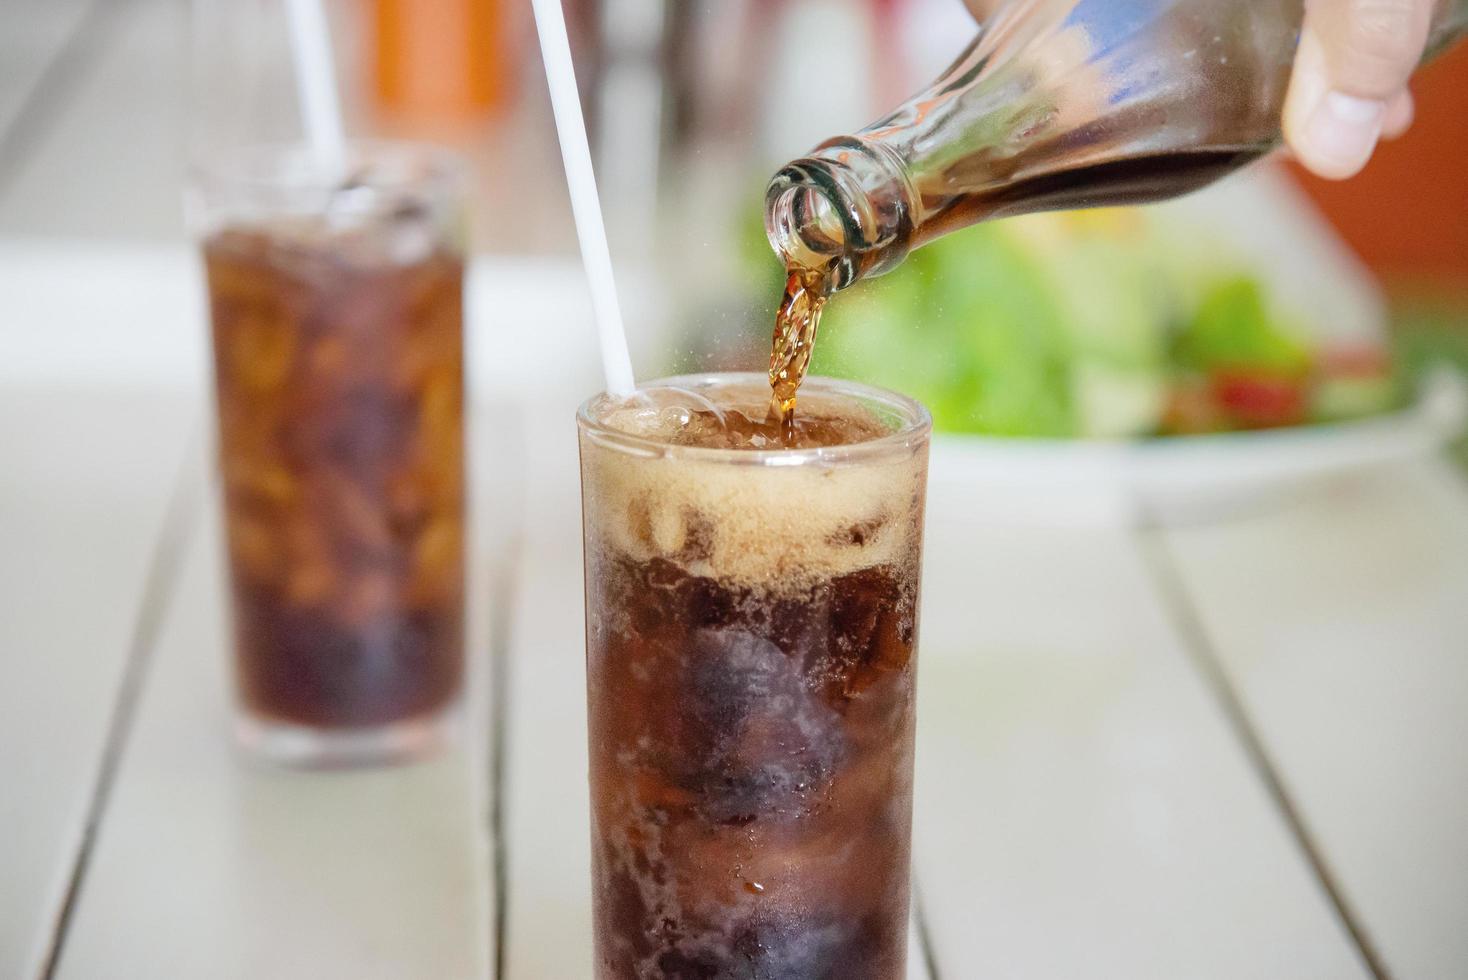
x,y
1057,104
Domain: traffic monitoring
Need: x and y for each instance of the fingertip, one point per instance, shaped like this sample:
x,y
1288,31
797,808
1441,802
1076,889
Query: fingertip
x,y
1400,113
1340,135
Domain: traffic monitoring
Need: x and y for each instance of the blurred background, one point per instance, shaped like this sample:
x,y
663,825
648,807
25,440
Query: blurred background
x,y
1276,300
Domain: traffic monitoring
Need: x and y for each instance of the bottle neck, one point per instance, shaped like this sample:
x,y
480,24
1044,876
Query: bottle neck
x,y
847,209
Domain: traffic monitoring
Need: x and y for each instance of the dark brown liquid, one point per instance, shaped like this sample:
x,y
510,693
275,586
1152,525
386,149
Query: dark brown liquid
x,y
340,388
796,323
1136,180
751,772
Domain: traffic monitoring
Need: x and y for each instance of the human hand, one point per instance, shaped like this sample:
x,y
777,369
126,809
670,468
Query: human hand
x,y
1349,87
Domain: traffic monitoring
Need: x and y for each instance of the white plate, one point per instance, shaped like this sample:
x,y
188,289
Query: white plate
x,y
1184,479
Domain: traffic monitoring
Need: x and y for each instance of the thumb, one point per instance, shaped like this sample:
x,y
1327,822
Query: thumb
x,y
1354,60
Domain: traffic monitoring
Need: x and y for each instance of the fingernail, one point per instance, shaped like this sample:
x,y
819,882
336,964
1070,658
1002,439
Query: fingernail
x,y
1342,132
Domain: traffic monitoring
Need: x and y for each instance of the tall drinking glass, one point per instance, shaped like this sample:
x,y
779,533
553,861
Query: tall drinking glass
x,y
751,630
337,308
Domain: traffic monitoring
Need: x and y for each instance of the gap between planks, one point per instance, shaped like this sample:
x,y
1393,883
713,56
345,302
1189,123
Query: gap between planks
x,y
502,606
927,953
504,520
180,522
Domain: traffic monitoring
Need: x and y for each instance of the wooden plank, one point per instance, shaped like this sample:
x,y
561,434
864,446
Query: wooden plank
x,y
109,161
1342,624
547,929
104,317
88,477
385,873
1082,807
98,406
207,865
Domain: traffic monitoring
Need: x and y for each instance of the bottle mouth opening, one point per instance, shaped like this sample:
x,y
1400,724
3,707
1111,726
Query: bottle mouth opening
x,y
806,226
845,210
808,217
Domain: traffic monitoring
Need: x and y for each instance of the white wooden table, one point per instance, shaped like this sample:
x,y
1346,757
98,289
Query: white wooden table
x,y
1232,751
1237,750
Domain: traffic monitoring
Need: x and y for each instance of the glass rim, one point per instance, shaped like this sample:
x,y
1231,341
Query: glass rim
x,y
262,166
915,430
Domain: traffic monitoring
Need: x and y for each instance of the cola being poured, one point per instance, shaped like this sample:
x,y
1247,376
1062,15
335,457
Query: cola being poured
x,y
796,323
1057,104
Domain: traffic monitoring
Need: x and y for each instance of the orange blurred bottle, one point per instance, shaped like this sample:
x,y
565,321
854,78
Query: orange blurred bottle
x,y
437,59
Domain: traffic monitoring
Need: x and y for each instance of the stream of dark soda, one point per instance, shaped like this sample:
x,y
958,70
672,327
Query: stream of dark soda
x,y
796,323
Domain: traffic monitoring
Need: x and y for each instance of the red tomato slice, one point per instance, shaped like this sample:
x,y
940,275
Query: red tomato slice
x,y
1260,401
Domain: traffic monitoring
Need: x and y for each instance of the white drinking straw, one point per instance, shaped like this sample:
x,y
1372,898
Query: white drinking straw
x,y
321,110
596,256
